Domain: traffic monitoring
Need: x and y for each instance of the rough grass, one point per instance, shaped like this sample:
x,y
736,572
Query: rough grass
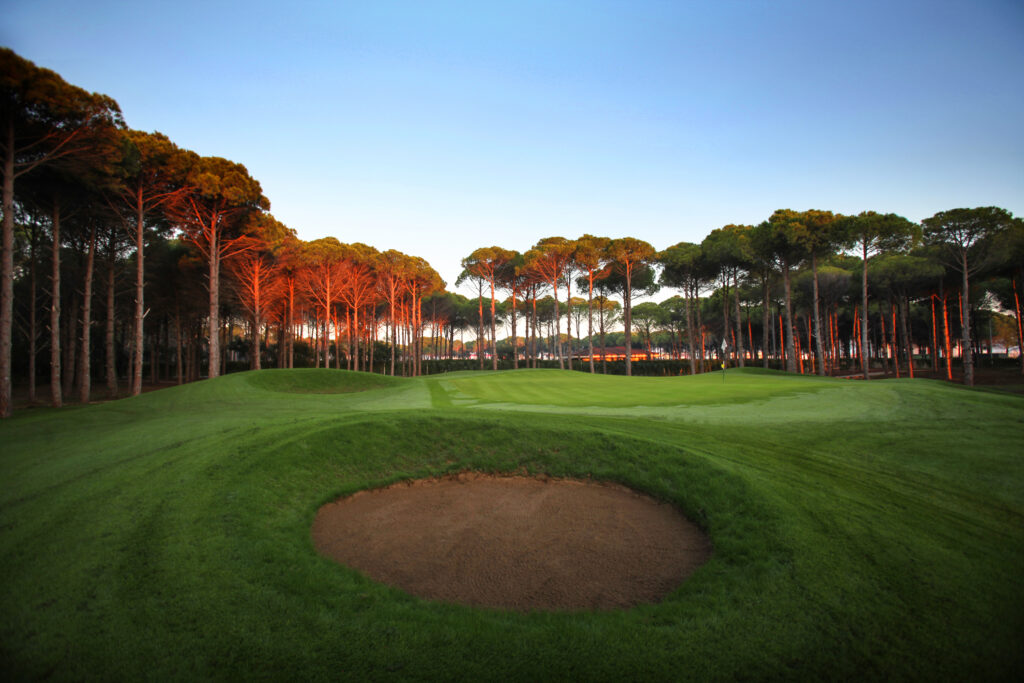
x,y
862,530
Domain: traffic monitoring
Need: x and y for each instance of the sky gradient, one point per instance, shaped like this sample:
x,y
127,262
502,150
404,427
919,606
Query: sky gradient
x,y
435,128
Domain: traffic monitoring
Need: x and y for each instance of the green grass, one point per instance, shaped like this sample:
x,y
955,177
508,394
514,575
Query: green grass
x,y
862,530
309,381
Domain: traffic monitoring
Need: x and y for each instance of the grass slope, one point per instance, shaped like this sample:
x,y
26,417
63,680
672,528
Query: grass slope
x,y
862,530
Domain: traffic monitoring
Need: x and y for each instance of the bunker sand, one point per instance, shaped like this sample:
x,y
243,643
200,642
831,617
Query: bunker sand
x,y
515,542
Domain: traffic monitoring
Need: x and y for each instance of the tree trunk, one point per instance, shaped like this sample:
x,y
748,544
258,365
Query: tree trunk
x,y
819,351
394,333
257,362
750,335
568,318
227,335
33,323
111,351
965,326
790,345
533,331
69,345
355,338
766,323
864,361
830,317
480,323
7,273
725,314
740,353
515,339
949,343
494,336
290,331
558,326
700,328
1020,328
337,342
348,338
895,337
905,330
884,345
214,326
590,322
316,341
84,369
417,312
782,339
691,339
177,343
140,281
627,300
56,398
799,347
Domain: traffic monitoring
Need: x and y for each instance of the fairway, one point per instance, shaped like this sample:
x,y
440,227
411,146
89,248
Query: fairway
x,y
861,530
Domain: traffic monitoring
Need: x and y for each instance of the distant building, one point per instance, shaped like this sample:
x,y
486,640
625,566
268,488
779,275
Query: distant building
x,y
619,353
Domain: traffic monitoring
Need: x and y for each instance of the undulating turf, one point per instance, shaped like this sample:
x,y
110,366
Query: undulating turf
x,y
862,530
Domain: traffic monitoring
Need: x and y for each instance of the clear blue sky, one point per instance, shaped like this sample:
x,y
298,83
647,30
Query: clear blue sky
x,y
439,127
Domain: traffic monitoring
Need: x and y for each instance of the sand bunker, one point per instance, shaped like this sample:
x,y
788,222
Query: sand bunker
x,y
514,542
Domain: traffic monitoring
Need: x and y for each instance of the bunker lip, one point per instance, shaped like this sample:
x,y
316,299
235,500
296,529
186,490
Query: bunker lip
x,y
514,542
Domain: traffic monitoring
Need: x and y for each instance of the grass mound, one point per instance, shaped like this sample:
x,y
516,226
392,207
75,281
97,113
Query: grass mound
x,y
861,529
311,381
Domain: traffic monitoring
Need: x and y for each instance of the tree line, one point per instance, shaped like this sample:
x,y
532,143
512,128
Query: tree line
x,y
84,193
166,251
863,281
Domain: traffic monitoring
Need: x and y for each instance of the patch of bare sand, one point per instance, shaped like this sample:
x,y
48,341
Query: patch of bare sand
x,y
514,542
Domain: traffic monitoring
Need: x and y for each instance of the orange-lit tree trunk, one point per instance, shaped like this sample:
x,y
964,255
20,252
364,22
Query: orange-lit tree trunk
x,y
480,323
589,255
895,339
392,275
627,255
258,289
358,292
548,261
533,329
949,349
221,193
